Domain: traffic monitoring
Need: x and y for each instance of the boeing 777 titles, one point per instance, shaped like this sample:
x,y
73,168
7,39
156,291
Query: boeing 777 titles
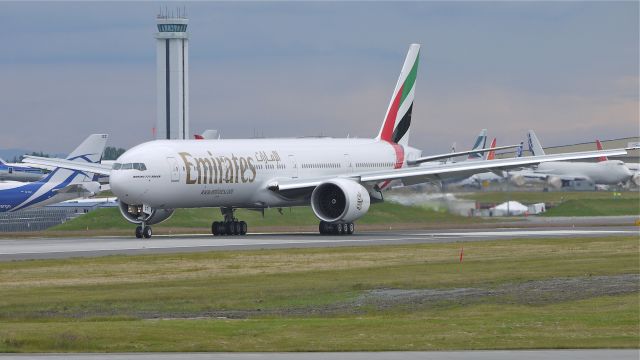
x,y
339,178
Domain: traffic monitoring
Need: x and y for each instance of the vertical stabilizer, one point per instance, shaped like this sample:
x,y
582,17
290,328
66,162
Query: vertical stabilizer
x,y
534,144
492,153
599,147
395,127
480,143
91,149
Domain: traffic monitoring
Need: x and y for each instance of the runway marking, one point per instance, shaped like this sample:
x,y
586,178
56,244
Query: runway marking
x,y
531,232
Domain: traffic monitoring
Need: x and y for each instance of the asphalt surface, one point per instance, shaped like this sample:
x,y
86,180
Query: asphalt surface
x,y
431,355
51,248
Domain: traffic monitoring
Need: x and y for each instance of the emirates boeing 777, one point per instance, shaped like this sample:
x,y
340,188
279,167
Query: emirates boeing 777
x,y
339,178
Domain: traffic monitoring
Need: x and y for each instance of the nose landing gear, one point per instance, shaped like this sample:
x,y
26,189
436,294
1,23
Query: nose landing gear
x,y
230,225
143,231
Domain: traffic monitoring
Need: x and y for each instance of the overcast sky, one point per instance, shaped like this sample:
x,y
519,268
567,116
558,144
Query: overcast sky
x,y
569,70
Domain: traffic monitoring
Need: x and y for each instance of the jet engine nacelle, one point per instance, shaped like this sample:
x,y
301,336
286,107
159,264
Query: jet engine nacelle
x,y
517,180
340,200
138,213
554,181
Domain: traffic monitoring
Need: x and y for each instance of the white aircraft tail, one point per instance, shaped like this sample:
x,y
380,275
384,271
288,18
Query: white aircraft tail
x,y
534,144
397,120
90,150
480,143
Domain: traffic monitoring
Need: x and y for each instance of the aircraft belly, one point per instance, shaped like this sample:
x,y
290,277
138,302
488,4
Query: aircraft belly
x,y
209,195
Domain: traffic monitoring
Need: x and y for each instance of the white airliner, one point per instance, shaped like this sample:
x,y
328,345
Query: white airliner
x,y
339,178
555,173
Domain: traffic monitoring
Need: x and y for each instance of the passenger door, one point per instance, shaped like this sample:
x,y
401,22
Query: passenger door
x,y
294,166
175,169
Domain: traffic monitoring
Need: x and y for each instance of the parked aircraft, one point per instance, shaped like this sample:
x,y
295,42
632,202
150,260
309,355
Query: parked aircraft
x,y
19,172
557,173
339,178
476,180
60,184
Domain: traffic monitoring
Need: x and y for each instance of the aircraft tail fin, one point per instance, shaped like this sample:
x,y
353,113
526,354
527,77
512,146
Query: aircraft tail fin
x,y
492,153
90,150
534,144
397,120
599,147
480,143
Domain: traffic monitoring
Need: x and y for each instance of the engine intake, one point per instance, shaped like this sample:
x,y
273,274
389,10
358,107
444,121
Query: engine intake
x,y
136,214
340,200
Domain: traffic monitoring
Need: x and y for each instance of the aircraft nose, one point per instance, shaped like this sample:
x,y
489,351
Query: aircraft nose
x,y
116,182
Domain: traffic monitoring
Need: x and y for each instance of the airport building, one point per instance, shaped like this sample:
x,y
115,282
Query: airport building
x,y
172,76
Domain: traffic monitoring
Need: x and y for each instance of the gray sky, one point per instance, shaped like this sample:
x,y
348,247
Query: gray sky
x,y
569,70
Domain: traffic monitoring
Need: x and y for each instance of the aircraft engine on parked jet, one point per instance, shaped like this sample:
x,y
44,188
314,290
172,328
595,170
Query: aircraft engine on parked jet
x,y
137,214
340,200
554,181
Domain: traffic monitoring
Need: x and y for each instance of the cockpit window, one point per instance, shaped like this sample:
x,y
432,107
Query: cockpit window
x,y
139,166
129,166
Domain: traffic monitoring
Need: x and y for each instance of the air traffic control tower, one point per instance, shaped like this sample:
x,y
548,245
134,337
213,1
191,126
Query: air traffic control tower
x,y
172,77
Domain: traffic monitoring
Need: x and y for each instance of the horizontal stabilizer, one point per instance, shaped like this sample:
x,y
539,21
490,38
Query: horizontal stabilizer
x,y
49,163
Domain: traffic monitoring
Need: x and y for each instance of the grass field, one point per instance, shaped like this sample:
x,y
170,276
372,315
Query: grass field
x,y
531,197
595,207
547,293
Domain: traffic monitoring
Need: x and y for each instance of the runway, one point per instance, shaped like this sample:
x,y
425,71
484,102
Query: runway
x,y
408,355
51,248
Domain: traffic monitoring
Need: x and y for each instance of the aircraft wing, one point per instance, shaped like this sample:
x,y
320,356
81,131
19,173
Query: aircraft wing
x,y
49,163
456,154
421,174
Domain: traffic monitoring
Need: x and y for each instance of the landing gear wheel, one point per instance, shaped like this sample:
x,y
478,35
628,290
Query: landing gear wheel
x,y
339,229
228,228
350,228
146,232
139,232
222,229
243,228
214,228
237,228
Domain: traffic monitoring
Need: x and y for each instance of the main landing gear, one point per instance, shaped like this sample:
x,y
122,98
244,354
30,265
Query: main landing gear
x,y
143,231
327,228
230,225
